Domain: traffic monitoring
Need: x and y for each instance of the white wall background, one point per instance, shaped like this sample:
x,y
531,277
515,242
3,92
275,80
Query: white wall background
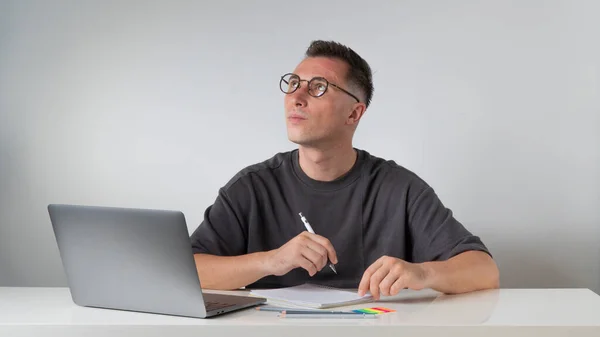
x,y
157,104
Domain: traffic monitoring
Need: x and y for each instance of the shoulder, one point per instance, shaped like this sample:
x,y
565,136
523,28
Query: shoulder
x,y
377,166
388,175
263,168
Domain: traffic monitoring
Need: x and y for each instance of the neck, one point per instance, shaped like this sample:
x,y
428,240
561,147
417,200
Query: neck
x,y
326,164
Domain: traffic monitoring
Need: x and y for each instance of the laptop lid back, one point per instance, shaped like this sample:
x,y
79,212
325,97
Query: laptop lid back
x,y
128,259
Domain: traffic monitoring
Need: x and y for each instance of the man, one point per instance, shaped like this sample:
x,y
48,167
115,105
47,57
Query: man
x,y
382,227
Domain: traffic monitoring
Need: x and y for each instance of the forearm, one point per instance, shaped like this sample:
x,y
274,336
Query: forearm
x,y
465,272
230,272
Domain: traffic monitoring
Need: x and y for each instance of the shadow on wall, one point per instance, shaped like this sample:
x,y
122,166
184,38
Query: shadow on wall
x,y
7,269
524,267
519,269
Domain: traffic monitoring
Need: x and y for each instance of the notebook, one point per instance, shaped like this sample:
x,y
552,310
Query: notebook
x,y
313,296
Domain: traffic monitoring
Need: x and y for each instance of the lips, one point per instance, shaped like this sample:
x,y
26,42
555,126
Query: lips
x,y
297,113
296,117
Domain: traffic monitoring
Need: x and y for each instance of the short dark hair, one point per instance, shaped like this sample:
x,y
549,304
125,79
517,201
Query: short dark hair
x,y
359,72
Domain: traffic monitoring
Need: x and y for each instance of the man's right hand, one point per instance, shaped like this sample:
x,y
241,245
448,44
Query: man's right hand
x,y
306,250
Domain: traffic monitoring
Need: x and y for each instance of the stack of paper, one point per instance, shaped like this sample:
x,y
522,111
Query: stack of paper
x,y
312,296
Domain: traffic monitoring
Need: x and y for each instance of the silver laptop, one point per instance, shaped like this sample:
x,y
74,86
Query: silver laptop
x,y
134,259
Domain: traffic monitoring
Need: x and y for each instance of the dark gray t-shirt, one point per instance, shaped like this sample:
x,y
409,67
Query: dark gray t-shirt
x,y
377,208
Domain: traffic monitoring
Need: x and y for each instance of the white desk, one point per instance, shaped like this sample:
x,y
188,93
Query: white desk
x,y
505,312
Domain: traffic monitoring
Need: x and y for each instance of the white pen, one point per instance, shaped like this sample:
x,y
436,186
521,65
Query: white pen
x,y
310,230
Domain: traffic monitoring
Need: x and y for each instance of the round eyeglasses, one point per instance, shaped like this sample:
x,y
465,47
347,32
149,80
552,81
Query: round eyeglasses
x,y
317,86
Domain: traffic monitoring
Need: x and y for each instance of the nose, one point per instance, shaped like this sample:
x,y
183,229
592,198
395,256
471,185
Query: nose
x,y
299,97
299,102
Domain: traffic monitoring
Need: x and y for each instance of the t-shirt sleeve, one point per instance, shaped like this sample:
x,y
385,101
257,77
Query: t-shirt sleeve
x,y
221,231
436,234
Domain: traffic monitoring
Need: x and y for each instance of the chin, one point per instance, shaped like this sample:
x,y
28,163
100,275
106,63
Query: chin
x,y
296,140
303,141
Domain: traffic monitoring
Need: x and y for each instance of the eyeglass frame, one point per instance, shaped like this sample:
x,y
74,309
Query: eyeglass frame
x,y
309,81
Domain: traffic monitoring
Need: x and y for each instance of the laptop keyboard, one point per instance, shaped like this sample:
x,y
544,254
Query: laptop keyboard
x,y
217,305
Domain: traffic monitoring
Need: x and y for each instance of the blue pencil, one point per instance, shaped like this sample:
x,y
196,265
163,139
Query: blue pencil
x,y
304,311
321,315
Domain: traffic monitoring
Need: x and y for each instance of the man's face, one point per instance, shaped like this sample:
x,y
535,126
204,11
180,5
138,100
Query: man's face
x,y
313,121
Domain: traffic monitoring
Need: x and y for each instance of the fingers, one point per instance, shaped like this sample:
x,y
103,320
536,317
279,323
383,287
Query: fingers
x,y
308,251
320,250
386,284
318,260
376,279
307,265
386,276
363,286
398,285
324,242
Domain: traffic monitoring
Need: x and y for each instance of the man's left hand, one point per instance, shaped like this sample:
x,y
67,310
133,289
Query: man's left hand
x,y
388,275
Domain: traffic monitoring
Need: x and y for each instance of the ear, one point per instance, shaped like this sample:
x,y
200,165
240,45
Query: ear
x,y
358,110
